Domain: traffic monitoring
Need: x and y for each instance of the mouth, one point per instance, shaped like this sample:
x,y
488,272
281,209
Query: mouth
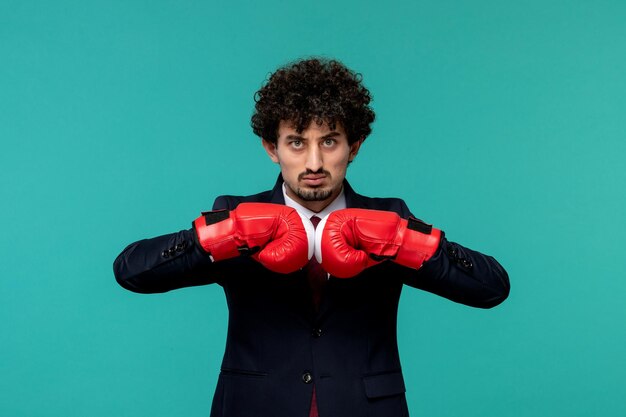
x,y
313,180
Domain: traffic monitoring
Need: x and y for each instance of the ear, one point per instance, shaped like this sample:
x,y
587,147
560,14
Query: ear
x,y
354,149
270,148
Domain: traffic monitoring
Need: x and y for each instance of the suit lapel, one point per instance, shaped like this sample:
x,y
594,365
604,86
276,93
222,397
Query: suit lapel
x,y
353,200
276,195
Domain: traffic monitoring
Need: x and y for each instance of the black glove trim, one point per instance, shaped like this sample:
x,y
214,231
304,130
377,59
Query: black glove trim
x,y
212,217
419,226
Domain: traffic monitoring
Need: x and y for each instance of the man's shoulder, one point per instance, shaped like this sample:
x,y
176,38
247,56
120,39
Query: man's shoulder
x,y
356,200
394,204
231,201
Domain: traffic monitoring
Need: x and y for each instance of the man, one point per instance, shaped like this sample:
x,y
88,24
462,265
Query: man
x,y
312,335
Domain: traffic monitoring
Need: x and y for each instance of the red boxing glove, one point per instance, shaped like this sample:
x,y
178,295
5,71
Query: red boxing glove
x,y
354,239
272,234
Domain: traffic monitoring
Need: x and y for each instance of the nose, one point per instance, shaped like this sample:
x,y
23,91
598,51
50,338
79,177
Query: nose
x,y
314,161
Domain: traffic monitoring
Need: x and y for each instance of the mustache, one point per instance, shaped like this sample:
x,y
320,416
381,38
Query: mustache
x,y
309,172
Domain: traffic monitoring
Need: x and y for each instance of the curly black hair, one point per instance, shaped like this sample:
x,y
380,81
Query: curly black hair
x,y
317,90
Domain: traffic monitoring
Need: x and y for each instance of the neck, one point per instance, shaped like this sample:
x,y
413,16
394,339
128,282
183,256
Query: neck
x,y
316,206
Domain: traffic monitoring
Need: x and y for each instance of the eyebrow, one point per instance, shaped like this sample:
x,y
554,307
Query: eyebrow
x,y
298,137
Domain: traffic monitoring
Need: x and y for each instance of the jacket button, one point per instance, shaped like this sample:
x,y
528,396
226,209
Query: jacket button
x,y
307,378
165,254
466,263
316,332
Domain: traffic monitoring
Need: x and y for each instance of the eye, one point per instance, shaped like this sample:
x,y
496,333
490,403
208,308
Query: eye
x,y
297,144
329,142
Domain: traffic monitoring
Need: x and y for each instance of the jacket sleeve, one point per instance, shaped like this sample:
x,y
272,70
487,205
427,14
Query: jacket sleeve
x,y
460,274
167,262
463,276
164,263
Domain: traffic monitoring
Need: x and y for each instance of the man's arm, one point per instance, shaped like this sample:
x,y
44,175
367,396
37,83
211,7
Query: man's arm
x,y
164,263
271,234
355,239
167,262
462,275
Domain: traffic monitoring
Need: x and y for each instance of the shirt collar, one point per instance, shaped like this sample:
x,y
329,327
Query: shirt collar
x,y
338,203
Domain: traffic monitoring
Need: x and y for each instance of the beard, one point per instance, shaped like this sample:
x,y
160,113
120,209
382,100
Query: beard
x,y
313,195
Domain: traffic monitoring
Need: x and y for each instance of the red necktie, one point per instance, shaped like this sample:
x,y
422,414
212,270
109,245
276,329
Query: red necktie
x,y
317,279
316,275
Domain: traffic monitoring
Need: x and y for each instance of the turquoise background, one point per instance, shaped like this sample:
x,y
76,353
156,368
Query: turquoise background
x,y
503,123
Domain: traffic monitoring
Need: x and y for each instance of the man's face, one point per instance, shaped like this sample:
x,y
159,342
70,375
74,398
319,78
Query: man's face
x,y
313,162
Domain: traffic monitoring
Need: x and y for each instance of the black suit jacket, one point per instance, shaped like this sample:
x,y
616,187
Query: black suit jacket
x,y
278,346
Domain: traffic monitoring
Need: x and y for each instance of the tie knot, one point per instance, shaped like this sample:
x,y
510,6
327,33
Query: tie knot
x,y
315,220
